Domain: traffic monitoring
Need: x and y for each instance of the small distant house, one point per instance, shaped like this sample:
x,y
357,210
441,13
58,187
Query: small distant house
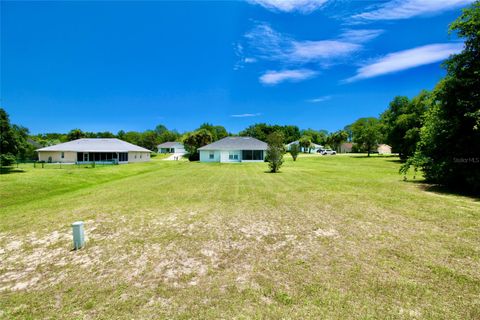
x,y
234,149
171,147
346,147
384,149
314,147
100,151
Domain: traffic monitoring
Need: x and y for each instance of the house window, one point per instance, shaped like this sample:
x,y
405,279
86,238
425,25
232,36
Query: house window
x,y
233,156
211,156
63,155
140,156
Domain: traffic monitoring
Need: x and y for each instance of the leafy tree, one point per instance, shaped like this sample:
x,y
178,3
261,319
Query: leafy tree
x,y
275,151
448,151
318,137
105,134
75,134
195,140
168,136
262,130
337,138
160,129
8,141
306,143
217,132
402,121
121,135
366,133
294,151
149,140
25,149
133,137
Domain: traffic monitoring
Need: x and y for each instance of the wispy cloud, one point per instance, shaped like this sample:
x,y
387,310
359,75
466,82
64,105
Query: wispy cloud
x,y
246,115
266,43
404,9
299,59
302,6
320,99
407,59
276,77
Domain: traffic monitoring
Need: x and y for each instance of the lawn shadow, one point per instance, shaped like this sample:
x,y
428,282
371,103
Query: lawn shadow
x,y
8,170
444,190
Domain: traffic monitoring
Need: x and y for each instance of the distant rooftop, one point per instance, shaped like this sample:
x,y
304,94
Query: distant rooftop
x,y
95,145
169,144
236,143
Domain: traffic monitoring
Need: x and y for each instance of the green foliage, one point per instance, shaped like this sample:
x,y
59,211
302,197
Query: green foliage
x,y
449,147
75,134
366,133
336,139
402,121
261,131
8,141
294,151
306,143
318,137
275,151
217,132
195,140
6,159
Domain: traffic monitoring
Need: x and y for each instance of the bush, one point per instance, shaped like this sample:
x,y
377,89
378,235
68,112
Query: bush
x,y
6,160
275,151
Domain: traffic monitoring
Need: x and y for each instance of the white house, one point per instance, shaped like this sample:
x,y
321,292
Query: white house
x,y
94,150
314,147
171,147
234,149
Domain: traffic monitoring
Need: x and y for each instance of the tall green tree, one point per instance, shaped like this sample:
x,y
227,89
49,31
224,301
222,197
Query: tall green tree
x,y
195,140
402,121
449,147
335,139
275,151
8,141
366,133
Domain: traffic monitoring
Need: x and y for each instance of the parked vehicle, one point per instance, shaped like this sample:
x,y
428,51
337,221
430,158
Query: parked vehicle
x,y
325,152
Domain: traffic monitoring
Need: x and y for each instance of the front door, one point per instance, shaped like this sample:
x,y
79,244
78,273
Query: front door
x,y
85,156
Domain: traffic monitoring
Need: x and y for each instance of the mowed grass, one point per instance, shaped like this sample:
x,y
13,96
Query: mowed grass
x,y
336,237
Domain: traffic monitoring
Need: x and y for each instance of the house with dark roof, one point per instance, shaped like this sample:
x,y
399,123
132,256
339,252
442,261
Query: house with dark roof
x,y
171,147
234,149
94,150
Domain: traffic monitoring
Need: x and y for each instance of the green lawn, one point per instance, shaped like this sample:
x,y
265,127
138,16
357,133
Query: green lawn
x,y
335,237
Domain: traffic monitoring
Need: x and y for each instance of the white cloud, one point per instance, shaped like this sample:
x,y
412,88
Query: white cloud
x,y
320,99
360,35
245,115
276,77
267,44
407,59
302,6
404,9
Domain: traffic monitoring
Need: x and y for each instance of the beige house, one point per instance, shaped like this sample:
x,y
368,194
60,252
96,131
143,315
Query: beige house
x,y
346,147
101,151
384,149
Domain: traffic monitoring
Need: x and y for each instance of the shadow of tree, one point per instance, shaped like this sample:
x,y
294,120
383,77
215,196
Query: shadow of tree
x,y
8,170
446,190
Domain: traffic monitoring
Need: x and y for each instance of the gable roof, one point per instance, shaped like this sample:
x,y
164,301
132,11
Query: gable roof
x,y
236,143
95,145
169,144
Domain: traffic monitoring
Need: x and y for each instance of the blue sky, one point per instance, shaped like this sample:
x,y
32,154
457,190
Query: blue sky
x,y
321,64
